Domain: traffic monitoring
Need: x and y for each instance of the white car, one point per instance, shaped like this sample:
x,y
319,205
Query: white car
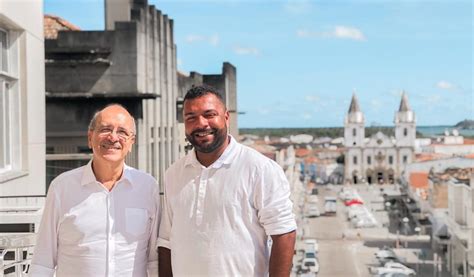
x,y
310,264
364,221
392,267
313,199
330,206
311,245
313,211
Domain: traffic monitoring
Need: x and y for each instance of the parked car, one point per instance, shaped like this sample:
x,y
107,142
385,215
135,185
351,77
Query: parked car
x,y
313,199
386,254
310,263
330,206
311,254
392,267
313,211
364,221
311,245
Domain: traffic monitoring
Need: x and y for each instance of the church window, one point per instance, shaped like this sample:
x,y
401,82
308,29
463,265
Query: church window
x,y
405,159
405,132
354,132
390,159
369,160
354,160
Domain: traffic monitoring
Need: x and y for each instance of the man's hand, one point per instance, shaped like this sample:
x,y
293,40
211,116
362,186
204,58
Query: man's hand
x,y
281,258
164,262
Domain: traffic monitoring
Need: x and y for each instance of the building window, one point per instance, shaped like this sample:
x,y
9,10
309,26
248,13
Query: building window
x,y
369,160
4,49
354,160
405,159
390,159
5,126
10,127
405,132
354,132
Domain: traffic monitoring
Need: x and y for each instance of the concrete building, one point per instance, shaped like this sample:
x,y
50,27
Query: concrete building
x,y
133,63
460,222
378,159
22,120
226,83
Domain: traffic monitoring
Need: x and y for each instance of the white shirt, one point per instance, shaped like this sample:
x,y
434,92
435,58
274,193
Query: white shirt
x,y
216,220
87,230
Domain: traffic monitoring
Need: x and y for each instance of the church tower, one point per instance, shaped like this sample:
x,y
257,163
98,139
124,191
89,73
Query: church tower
x,y
354,130
405,127
354,136
405,135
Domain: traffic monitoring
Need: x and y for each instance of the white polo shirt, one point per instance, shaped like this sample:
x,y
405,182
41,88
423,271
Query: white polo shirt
x,y
217,220
87,230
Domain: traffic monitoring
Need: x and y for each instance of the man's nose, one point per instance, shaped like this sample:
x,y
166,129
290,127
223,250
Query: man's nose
x,y
203,122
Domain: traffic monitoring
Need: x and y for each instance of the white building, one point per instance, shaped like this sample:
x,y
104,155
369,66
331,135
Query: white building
x,y
460,222
22,114
378,159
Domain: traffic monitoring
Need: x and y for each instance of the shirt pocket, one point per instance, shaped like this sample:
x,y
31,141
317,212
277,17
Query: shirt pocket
x,y
136,221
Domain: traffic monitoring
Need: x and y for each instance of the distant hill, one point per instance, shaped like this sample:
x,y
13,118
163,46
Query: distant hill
x,y
332,132
465,124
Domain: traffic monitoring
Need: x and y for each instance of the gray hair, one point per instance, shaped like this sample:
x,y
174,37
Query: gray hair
x,y
93,122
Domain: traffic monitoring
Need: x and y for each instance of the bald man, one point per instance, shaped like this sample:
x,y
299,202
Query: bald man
x,y
101,219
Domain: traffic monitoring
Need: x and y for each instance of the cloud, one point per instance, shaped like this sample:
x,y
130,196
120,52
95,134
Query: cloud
x,y
337,32
212,40
312,98
445,85
298,6
246,51
263,111
307,116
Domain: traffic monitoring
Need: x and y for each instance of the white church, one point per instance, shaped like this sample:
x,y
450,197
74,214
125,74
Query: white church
x,y
378,159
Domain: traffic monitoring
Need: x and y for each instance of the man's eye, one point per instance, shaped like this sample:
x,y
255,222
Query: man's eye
x,y
210,115
122,133
105,130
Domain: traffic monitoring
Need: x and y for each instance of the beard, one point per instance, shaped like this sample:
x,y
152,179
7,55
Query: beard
x,y
220,135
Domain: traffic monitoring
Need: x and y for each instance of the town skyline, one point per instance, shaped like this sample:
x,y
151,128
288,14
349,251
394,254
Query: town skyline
x,y
299,62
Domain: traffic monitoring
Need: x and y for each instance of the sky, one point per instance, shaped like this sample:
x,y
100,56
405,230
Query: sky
x,y
299,61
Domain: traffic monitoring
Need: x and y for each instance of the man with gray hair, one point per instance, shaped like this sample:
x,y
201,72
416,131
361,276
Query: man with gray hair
x,y
101,219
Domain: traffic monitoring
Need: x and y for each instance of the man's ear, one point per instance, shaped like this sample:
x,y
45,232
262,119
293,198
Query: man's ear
x,y
89,139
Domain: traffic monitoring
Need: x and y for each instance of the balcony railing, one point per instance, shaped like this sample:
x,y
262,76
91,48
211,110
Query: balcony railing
x,y
15,253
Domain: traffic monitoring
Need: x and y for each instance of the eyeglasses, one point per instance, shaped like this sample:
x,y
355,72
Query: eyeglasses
x,y
122,133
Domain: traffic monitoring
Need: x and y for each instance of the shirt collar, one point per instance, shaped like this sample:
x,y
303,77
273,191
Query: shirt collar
x,y
88,176
225,158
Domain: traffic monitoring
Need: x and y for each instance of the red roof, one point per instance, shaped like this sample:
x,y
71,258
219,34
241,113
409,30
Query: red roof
x,y
53,24
302,152
419,180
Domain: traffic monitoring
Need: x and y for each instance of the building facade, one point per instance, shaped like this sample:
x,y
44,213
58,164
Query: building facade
x,y
460,222
22,119
379,158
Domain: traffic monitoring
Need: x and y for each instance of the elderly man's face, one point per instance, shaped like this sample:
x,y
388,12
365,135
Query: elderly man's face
x,y
113,137
206,120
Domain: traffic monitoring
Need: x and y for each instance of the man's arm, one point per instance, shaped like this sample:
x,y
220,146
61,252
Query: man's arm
x,y
152,266
281,258
164,262
46,249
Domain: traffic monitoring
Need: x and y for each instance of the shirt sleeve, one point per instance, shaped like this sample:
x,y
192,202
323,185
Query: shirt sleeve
x,y
152,265
165,225
46,249
272,200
